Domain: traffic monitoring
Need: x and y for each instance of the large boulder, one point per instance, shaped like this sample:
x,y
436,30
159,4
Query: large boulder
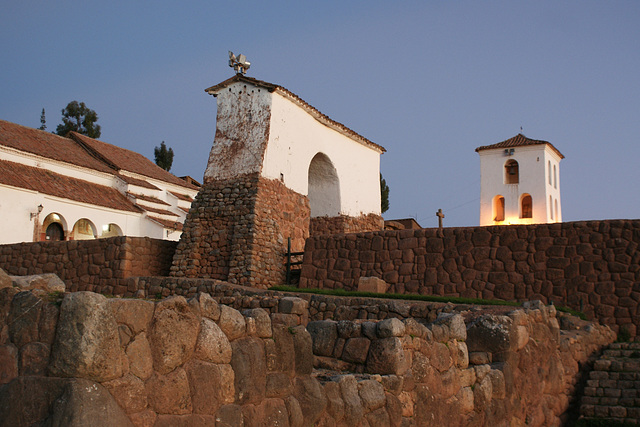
x,y
491,334
87,344
324,334
212,344
249,366
386,356
173,334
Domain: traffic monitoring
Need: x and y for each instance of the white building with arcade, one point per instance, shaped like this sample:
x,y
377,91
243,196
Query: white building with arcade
x,y
78,188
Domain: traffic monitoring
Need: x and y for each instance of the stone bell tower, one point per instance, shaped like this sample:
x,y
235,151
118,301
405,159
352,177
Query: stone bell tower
x,y
519,182
278,169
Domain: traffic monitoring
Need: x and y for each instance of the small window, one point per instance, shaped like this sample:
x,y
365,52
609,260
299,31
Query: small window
x,y
511,172
556,206
551,207
498,208
549,169
555,178
526,207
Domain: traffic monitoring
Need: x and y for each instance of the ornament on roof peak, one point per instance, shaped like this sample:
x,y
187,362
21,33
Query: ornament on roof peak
x,y
239,63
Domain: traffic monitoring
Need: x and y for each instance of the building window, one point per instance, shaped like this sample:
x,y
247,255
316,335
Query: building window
x,y
556,206
549,169
551,207
511,172
498,208
555,178
526,206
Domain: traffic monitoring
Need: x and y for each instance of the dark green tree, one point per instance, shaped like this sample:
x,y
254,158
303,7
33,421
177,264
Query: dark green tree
x,y
76,116
164,156
43,121
384,195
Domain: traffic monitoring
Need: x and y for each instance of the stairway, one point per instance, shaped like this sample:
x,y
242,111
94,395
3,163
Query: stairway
x,y
613,387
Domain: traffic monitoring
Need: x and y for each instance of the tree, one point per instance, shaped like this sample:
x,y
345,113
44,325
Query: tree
x,y
384,195
43,121
164,157
77,117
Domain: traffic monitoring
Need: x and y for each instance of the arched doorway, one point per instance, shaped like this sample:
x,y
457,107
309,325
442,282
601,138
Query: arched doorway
x,y
526,206
324,187
54,232
53,227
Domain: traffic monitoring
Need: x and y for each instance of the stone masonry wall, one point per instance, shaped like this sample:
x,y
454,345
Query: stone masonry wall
x,y
345,224
196,362
101,265
591,266
237,231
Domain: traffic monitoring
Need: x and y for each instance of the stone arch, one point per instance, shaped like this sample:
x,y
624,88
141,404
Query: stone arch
x,y
498,208
83,229
111,230
54,227
324,187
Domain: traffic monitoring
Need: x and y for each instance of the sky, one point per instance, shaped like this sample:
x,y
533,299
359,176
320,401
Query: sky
x,y
428,80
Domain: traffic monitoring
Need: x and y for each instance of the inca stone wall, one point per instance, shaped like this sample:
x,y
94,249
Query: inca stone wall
x,y
345,224
197,362
237,230
591,266
101,265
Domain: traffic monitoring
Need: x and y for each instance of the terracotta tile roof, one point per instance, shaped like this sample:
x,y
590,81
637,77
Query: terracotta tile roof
x,y
167,224
182,196
148,198
183,209
322,118
49,145
138,182
519,141
158,211
128,160
53,184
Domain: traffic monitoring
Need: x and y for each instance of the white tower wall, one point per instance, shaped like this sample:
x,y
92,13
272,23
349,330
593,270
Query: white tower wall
x,y
538,177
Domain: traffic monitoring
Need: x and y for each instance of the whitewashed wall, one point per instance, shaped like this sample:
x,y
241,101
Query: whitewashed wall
x,y
295,137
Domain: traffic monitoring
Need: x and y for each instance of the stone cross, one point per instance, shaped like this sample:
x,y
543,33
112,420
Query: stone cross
x,y
440,216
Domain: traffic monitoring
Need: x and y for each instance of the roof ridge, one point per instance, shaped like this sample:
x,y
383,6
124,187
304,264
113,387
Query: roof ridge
x,y
92,151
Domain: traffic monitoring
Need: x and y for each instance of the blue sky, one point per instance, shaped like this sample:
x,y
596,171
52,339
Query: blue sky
x,y
430,81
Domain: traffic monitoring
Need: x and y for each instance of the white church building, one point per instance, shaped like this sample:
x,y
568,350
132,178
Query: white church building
x,y
519,182
78,188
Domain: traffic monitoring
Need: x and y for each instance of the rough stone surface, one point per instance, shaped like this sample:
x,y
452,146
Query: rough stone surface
x,y
324,336
386,356
87,343
173,334
311,397
170,394
212,344
262,321
46,283
5,280
250,370
231,322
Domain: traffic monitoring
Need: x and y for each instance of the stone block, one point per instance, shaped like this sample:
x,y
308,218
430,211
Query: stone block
x,y
292,305
249,365
231,322
356,350
211,386
311,398
87,343
372,284
212,344
324,335
173,334
387,356
390,328
170,394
